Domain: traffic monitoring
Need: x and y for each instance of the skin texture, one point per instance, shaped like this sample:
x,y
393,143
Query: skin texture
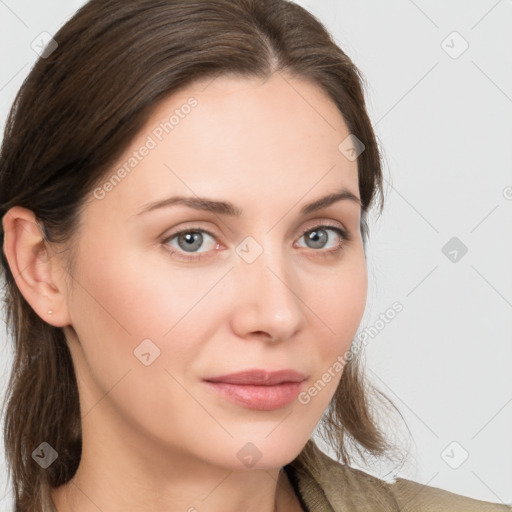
x,y
155,437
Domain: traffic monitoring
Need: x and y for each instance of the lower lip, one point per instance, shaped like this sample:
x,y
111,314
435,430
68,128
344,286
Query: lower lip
x,y
263,398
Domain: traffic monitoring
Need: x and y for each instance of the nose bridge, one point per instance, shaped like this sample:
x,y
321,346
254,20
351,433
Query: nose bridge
x,y
267,288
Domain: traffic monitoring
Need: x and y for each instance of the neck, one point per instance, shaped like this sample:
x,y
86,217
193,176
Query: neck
x,y
120,475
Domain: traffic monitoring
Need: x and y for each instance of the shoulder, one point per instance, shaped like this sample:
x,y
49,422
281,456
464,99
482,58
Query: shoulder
x,y
329,485
415,496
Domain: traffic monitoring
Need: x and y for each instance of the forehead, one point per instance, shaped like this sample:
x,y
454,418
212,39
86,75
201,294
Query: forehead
x,y
244,139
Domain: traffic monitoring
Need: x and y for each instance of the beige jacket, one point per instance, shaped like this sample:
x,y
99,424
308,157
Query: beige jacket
x,y
340,488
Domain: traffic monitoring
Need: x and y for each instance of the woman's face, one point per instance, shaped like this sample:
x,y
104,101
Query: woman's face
x,y
155,314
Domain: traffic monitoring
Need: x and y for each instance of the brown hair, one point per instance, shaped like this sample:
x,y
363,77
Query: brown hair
x,y
77,111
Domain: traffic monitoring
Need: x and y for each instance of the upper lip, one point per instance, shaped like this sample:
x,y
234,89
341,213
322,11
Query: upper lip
x,y
260,377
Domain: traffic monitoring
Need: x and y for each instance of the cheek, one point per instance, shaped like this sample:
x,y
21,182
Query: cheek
x,y
137,291
118,306
122,301
340,309
340,304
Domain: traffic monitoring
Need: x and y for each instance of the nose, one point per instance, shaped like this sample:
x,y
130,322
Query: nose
x,y
268,301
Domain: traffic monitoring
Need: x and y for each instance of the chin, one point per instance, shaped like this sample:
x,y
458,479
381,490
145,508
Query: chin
x,y
267,454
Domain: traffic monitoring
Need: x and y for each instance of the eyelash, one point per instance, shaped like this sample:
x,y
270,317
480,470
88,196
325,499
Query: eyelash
x,y
345,236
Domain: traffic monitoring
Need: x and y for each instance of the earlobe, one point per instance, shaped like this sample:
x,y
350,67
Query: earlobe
x,y
36,273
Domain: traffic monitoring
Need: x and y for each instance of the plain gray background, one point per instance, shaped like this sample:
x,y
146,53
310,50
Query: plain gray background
x,y
440,98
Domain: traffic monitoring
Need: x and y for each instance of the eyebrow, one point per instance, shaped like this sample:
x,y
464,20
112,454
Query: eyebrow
x,y
227,208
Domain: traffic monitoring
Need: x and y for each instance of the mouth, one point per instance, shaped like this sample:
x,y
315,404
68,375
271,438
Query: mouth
x,y
259,389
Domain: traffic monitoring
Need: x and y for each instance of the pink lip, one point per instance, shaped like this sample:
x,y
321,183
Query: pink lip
x,y
259,389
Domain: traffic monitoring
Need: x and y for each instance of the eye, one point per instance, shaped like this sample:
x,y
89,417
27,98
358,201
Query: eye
x,y
318,236
187,241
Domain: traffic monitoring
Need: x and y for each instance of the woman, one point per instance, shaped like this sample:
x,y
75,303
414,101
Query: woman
x,y
184,193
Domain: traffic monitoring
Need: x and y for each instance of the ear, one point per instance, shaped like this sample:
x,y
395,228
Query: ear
x,y
38,275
